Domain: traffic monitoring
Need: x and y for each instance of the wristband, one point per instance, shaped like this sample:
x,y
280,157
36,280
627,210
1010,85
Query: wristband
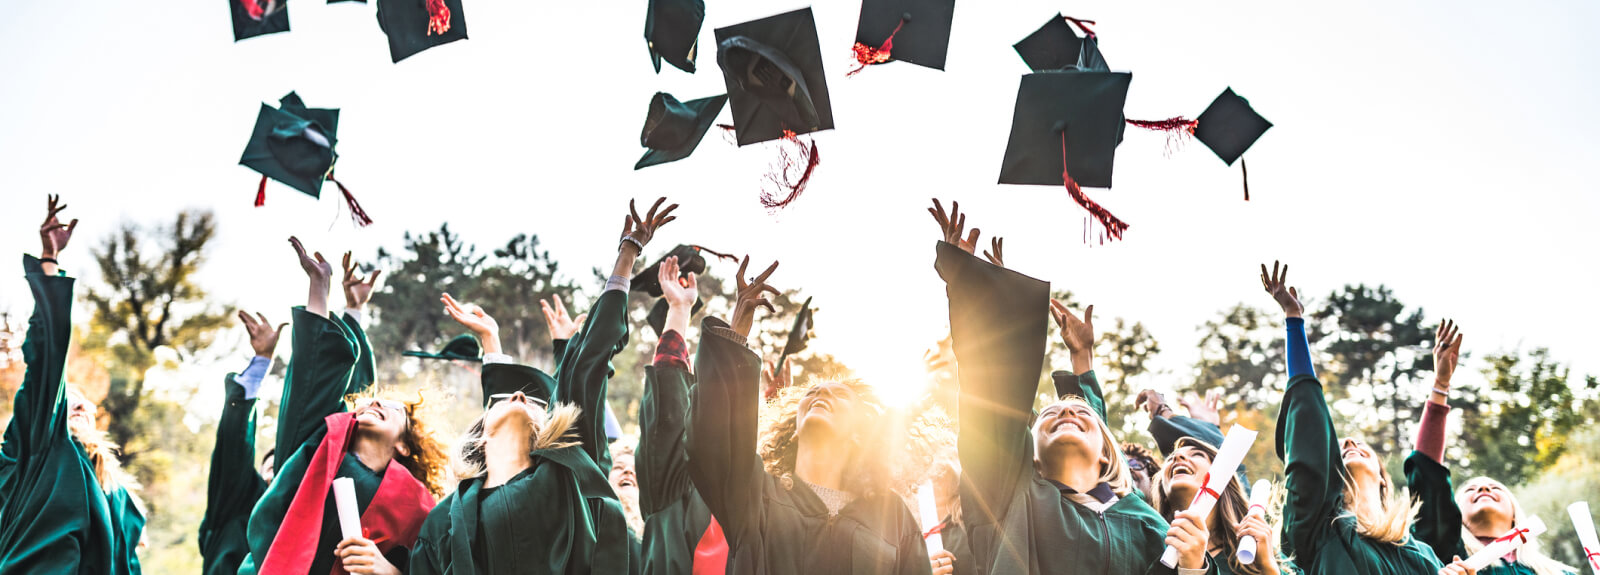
x,y
49,261
629,239
1444,392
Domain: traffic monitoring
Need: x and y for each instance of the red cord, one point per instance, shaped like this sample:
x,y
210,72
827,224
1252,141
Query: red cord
x,y
1114,227
356,213
1082,25
438,17
780,176
253,9
867,55
261,192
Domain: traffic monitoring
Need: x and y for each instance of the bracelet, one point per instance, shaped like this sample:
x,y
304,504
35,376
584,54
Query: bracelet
x,y
49,261
629,239
1444,392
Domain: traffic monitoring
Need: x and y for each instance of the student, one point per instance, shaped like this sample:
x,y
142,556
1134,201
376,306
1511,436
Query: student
x,y
816,496
384,446
66,504
1045,494
534,497
1142,466
1180,479
1490,509
680,535
1343,513
956,557
235,483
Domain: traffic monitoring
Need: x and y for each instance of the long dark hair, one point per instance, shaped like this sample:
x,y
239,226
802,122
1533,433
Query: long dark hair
x,y
1231,508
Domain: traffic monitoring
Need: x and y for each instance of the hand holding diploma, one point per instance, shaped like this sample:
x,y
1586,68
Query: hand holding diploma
x,y
1229,457
1260,496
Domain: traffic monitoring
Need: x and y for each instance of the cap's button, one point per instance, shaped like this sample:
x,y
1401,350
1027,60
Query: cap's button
x,y
1061,126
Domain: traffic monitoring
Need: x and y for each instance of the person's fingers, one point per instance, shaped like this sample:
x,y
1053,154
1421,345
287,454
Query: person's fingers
x,y
581,318
281,327
766,274
663,218
449,301
766,304
346,263
372,280
320,259
263,319
634,211
1456,345
72,226
298,247
1088,316
651,215
249,323
560,306
972,237
739,277
771,290
961,224
689,282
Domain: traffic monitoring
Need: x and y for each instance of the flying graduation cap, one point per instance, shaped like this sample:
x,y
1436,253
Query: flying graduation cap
x,y
416,25
649,281
773,68
673,129
799,335
1229,126
1064,132
672,32
914,31
1055,46
296,145
253,18
463,347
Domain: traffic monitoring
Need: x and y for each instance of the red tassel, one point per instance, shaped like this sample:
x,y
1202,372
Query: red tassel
x,y
867,55
261,192
438,17
780,176
356,213
1082,25
253,9
1114,227
719,255
1178,129
1246,173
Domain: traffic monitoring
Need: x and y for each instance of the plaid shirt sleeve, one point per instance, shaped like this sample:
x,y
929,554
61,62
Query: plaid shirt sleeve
x,y
672,351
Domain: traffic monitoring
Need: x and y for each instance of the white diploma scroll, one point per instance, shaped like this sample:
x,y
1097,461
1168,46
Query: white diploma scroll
x,y
1511,541
1260,497
1583,523
344,498
928,507
1229,457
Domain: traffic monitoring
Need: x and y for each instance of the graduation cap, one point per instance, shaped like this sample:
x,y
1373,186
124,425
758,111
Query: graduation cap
x,y
672,32
673,129
1229,126
463,347
296,145
506,378
1055,46
1065,131
657,319
799,335
773,69
253,18
915,31
416,25
689,261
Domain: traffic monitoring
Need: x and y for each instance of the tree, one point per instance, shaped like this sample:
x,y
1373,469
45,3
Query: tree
x,y
1522,421
1122,354
147,300
1241,352
1376,354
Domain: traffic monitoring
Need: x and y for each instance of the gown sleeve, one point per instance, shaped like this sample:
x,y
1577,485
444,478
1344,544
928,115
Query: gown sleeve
x,y
1168,430
586,366
39,408
365,370
1086,386
997,324
324,354
663,457
1309,448
723,461
1438,523
233,485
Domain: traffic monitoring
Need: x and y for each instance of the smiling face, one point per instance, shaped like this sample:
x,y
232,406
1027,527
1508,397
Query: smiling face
x,y
384,419
1184,473
829,408
516,410
80,411
1068,426
1487,502
1360,460
622,476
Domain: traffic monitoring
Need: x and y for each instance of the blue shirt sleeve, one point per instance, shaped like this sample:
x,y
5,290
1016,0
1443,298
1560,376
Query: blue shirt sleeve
x,y
1299,349
250,378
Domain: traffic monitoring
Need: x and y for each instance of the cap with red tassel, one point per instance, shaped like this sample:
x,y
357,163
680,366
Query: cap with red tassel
x,y
868,56
356,213
438,17
1114,226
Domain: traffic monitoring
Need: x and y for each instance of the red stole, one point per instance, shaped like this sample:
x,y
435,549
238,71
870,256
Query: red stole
x,y
392,518
711,554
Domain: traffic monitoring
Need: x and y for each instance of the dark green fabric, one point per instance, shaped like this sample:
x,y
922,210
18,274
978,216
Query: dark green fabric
x,y
1439,522
1017,521
674,514
55,517
365,371
233,487
560,515
774,526
325,358
954,538
1316,531
1168,430
366,483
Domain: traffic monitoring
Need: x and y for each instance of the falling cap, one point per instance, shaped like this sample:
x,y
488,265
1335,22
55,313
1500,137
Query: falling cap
x,y
773,69
799,335
416,25
915,31
673,129
689,261
1055,46
253,18
293,144
463,347
672,32
1075,114
1229,126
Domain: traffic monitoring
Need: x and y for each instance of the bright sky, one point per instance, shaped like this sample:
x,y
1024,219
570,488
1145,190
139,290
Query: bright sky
x,y
1444,148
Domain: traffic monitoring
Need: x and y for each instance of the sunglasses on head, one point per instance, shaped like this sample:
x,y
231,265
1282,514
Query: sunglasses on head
x,y
389,404
499,397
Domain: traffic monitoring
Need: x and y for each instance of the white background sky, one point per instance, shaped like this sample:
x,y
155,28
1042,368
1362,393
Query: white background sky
x,y
1444,148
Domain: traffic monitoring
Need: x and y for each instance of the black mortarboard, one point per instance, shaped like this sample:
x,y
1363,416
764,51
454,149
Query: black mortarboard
x,y
1229,126
799,335
1055,46
673,129
253,18
920,29
658,314
463,347
1079,110
293,144
773,68
672,32
416,25
689,261
501,378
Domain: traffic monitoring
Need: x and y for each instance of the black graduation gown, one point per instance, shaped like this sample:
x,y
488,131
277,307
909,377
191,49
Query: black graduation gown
x,y
675,517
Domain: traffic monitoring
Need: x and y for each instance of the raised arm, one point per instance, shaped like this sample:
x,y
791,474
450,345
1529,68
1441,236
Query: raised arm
x,y
234,484
1078,334
323,356
357,292
723,424
663,457
561,326
997,327
39,409
1167,427
1438,523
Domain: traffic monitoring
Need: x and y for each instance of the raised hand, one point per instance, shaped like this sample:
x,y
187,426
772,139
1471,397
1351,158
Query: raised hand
x,y
1446,353
774,379
749,297
561,325
953,225
263,337
1078,334
994,254
54,235
680,292
320,273
1276,285
475,320
1153,403
641,230
1208,409
357,290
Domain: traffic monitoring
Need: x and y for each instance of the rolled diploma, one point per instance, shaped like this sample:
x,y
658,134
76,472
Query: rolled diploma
x,y
929,510
1229,457
1531,527
1260,496
344,498
1583,523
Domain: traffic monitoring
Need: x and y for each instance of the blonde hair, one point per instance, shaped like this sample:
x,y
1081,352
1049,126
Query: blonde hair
x,y
1529,554
1391,523
104,457
1116,473
558,430
1233,506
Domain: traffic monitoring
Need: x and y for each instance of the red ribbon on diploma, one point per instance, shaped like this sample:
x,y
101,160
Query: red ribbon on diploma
x,y
1521,533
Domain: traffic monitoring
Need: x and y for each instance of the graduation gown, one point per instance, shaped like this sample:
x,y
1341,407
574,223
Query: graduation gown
x,y
677,524
330,359
1316,531
54,516
560,515
1018,522
953,536
776,527
1439,521
233,487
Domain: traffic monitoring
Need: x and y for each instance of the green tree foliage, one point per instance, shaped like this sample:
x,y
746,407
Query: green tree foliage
x,y
1575,476
1375,355
1523,421
1242,353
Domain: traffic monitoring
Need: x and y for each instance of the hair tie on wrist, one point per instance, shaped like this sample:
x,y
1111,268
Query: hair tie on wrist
x,y
630,239
49,261
1444,392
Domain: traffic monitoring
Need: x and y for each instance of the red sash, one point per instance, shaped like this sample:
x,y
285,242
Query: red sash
x,y
391,520
711,554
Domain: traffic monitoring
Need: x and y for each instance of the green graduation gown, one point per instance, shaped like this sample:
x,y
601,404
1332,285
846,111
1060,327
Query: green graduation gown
x,y
1439,521
233,487
560,515
1018,522
54,516
675,517
773,528
1317,532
